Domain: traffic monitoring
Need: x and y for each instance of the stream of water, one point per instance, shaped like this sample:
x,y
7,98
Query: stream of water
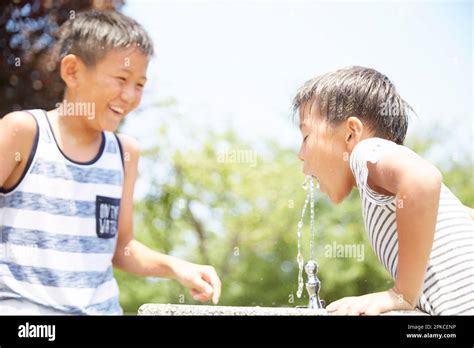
x,y
308,186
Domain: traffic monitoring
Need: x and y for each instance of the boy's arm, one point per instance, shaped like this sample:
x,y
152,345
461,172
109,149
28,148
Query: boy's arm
x,y
17,131
136,258
416,184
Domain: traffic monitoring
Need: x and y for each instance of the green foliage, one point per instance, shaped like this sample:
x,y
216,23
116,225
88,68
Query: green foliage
x,y
242,218
29,77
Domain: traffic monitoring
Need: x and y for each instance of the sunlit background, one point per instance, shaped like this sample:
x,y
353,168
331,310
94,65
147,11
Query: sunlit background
x,y
238,63
221,83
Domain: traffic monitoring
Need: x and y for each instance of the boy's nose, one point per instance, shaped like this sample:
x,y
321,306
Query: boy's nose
x,y
129,94
300,155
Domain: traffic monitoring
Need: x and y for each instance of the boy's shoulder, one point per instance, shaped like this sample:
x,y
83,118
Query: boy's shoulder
x,y
372,150
18,129
387,162
20,121
130,152
129,144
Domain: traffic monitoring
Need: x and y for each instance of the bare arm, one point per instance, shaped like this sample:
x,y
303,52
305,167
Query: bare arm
x,y
417,185
132,256
136,258
17,131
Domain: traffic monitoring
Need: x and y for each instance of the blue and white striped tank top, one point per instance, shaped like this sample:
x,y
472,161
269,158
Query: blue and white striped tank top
x,y
448,287
58,228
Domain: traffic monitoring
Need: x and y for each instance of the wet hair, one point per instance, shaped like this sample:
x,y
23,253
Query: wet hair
x,y
361,92
92,34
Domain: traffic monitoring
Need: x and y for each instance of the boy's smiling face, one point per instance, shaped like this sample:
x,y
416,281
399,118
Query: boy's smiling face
x,y
325,151
114,86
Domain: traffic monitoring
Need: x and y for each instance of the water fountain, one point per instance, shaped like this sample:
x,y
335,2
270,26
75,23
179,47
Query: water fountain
x,y
313,285
315,306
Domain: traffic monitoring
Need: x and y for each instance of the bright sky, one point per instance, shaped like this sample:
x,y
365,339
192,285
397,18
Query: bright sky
x,y
239,63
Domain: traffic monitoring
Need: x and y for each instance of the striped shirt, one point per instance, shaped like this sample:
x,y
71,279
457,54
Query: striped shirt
x,y
58,228
448,287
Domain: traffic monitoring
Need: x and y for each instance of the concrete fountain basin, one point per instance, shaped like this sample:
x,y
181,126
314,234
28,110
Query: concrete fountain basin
x,y
198,310
203,310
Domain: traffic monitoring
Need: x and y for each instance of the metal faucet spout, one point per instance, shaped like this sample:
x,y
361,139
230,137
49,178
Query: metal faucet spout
x,y
313,285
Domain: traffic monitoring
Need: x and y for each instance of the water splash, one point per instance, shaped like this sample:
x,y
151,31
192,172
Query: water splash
x,y
308,186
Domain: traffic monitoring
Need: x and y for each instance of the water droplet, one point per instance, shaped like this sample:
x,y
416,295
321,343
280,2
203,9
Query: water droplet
x,y
305,185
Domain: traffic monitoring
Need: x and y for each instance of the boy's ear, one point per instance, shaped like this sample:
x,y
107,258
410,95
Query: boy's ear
x,y
70,66
354,130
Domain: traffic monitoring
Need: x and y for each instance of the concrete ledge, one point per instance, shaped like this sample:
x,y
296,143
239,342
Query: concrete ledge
x,y
190,310
202,310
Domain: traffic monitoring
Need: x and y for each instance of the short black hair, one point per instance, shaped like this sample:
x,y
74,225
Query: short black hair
x,y
92,34
358,91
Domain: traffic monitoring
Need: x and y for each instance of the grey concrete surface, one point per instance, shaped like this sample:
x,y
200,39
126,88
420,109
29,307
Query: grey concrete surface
x,y
198,310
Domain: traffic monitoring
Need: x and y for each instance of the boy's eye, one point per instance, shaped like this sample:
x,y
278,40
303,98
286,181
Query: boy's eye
x,y
121,78
304,139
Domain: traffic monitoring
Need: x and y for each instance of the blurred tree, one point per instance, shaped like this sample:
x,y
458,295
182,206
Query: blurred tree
x,y
28,76
240,215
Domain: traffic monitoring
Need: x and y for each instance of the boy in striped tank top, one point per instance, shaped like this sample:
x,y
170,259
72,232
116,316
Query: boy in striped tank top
x,y
353,124
67,182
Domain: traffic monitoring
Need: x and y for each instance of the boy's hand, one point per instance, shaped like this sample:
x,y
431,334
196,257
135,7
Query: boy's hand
x,y
203,281
371,304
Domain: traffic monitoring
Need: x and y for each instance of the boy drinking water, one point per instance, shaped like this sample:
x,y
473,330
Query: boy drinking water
x,y
67,181
353,124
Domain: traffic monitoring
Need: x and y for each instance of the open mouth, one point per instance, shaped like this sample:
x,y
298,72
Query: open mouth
x,y
117,110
